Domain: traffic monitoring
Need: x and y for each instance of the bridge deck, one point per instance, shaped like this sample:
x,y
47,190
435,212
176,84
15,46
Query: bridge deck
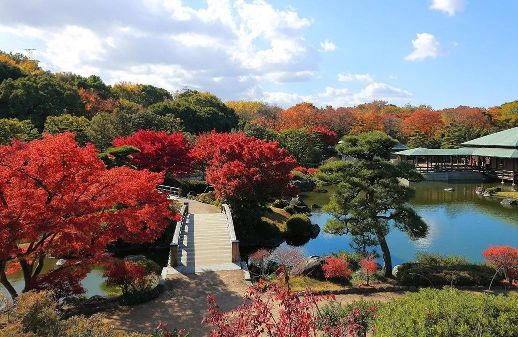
x,y
204,242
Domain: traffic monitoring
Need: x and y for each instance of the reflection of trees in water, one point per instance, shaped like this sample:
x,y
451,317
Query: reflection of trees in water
x,y
434,232
462,198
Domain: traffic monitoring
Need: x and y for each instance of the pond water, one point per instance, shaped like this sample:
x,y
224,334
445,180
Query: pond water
x,y
460,223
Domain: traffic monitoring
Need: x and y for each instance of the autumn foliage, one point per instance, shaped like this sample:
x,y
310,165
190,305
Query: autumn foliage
x,y
505,258
299,116
160,151
126,275
368,266
59,199
328,136
244,168
336,267
425,121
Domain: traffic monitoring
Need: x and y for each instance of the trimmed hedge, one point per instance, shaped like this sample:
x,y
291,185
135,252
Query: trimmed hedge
x,y
140,296
298,225
419,274
448,313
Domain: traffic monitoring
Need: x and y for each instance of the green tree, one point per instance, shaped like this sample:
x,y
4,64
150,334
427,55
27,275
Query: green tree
x,y
103,129
12,128
142,94
147,120
199,112
67,122
307,147
9,71
369,199
36,97
419,139
454,135
260,132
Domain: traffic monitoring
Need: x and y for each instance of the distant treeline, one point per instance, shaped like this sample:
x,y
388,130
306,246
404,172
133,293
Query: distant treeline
x,y
33,101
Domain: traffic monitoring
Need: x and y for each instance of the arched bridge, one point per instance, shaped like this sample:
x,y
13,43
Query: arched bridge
x,y
204,240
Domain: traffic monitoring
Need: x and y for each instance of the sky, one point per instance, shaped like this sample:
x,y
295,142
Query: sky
x,y
441,53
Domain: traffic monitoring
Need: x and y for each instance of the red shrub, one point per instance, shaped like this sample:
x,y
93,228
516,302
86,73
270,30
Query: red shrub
x,y
368,266
125,274
329,137
336,267
504,257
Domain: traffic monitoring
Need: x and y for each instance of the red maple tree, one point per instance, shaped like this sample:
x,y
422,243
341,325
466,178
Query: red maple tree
x,y
299,116
329,137
160,151
244,168
58,199
503,257
94,103
368,266
336,267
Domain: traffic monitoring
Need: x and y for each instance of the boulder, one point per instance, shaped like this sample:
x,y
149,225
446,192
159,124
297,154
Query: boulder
x,y
305,185
509,202
395,270
312,267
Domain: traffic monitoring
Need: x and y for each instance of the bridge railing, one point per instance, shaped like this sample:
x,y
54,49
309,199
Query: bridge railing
x,y
230,225
174,246
175,191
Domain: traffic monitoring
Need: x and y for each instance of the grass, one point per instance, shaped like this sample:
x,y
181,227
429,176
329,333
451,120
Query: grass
x,y
317,198
301,283
513,195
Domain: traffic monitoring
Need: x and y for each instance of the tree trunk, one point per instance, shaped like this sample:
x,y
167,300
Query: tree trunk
x,y
387,259
27,274
5,282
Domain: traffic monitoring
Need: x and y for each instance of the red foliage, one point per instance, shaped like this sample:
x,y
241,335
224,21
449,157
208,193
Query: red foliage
x,y
368,266
426,121
272,310
59,199
160,151
505,257
336,267
64,281
242,167
94,103
328,136
125,274
340,120
475,118
306,170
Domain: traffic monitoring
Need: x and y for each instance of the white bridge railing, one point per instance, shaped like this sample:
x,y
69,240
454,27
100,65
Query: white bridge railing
x,y
230,225
174,191
174,246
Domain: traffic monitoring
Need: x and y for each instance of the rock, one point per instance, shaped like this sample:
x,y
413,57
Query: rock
x,y
509,202
395,269
449,189
311,267
479,190
60,262
315,206
305,185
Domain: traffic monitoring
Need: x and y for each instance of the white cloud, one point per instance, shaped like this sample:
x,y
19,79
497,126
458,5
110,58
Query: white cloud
x,y
338,97
327,46
348,77
225,46
449,7
425,46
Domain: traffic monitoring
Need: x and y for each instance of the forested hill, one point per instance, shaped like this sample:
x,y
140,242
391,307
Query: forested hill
x,y
33,100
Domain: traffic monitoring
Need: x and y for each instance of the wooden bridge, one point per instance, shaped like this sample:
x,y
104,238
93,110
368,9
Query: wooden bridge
x,y
204,240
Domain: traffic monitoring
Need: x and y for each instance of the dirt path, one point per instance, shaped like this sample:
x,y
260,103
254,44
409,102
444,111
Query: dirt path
x,y
184,303
196,207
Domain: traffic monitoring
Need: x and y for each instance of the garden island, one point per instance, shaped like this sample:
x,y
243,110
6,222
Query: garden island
x,y
165,172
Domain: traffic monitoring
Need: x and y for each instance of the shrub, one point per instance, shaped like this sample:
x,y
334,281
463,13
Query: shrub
x,y
356,318
298,225
417,274
130,277
353,258
504,258
207,198
368,266
336,268
440,260
447,313
279,203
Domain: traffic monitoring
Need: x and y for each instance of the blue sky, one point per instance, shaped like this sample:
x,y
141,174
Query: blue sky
x,y
339,52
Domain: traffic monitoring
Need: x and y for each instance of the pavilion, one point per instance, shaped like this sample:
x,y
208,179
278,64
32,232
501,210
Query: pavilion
x,y
493,156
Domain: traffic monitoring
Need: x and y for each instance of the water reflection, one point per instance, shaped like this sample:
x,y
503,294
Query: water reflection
x,y
461,223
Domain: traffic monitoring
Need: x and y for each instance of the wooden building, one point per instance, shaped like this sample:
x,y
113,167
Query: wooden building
x,y
494,155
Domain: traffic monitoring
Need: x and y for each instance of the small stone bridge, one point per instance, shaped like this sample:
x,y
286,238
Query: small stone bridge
x,y
204,240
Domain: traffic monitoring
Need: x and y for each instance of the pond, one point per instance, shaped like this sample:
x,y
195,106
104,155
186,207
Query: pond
x,y
461,222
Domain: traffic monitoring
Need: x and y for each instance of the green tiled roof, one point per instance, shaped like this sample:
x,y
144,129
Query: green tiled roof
x,y
420,151
506,138
495,152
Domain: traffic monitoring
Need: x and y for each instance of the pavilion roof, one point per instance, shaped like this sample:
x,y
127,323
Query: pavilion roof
x,y
507,138
465,151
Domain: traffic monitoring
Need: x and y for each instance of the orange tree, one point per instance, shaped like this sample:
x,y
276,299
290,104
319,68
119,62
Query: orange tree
x,y
58,199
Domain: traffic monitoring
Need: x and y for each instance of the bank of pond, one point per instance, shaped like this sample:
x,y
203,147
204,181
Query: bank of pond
x,y
461,223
